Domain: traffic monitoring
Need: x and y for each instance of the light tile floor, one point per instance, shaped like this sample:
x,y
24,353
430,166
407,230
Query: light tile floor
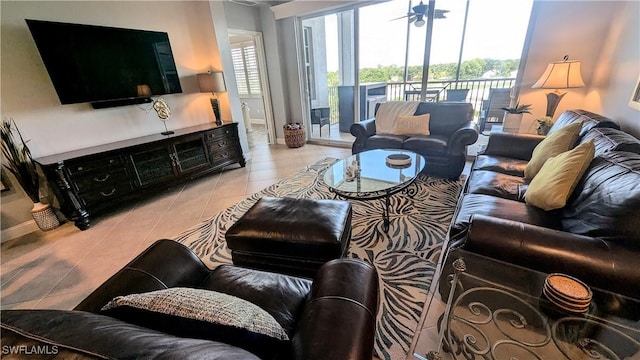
x,y
57,269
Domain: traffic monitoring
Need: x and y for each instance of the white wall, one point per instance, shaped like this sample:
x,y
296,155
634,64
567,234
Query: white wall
x,y
29,97
617,81
604,36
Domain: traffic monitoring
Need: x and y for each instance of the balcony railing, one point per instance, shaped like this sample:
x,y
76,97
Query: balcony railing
x,y
436,91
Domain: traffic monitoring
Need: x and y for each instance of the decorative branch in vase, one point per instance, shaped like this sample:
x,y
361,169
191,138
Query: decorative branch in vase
x,y
20,163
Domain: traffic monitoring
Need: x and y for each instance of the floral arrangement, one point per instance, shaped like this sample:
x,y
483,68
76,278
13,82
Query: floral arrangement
x,y
544,124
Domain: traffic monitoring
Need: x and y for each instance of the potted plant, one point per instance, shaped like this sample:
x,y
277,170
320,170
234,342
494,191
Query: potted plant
x,y
21,165
513,117
544,124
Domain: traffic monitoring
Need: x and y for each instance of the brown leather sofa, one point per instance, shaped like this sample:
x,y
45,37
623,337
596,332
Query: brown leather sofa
x,y
331,317
451,130
595,237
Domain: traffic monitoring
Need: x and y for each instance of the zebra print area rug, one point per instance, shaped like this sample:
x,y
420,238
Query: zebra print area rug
x,y
405,257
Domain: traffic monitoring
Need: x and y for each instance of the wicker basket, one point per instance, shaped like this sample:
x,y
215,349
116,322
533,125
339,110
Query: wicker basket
x,y
294,138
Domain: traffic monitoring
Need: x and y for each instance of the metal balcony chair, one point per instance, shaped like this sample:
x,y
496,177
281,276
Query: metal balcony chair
x,y
320,117
457,94
492,113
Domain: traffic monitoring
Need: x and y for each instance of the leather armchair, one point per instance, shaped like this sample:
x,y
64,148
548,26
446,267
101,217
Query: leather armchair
x,y
331,317
451,131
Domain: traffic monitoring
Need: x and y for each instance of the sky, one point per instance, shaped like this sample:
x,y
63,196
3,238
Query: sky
x,y
495,29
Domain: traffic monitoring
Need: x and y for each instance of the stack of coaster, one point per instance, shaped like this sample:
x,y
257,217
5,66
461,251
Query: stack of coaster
x,y
567,293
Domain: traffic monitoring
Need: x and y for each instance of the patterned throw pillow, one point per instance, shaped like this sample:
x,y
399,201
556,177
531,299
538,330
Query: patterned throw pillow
x,y
201,314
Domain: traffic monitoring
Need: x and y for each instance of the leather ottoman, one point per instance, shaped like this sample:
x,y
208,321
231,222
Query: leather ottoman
x,y
291,236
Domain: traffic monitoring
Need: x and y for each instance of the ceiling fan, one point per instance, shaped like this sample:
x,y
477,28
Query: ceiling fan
x,y
419,13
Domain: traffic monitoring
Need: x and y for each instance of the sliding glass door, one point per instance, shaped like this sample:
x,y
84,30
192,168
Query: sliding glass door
x,y
400,53
328,45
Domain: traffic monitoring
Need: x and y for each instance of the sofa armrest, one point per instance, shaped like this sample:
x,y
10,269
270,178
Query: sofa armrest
x,y
162,265
339,319
466,135
515,146
362,130
597,262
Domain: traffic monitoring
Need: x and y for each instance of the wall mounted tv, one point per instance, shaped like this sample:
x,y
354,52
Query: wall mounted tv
x,y
105,66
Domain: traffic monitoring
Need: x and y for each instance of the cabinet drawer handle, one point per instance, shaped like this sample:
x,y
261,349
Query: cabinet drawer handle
x,y
113,191
101,180
222,144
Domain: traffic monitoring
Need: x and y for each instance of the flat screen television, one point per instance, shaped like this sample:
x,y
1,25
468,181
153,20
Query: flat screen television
x,y
105,66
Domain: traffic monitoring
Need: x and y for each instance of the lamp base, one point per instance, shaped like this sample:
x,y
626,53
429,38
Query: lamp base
x,y
216,110
553,99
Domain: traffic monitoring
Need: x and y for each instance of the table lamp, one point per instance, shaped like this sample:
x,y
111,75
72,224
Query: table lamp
x,y
213,83
563,74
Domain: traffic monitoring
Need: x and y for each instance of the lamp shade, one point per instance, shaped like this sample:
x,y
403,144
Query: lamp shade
x,y
561,75
211,82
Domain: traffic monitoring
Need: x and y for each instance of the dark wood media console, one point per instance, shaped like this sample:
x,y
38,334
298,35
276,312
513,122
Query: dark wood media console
x,y
93,180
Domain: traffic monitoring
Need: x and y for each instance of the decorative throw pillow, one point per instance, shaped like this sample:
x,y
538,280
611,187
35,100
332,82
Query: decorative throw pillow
x,y
202,314
411,125
554,144
389,111
558,177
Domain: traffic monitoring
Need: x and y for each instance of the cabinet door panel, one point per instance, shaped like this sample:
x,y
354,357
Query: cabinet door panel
x,y
153,166
190,155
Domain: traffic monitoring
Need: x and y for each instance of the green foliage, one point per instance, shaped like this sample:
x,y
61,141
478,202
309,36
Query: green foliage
x,y
20,162
518,109
470,69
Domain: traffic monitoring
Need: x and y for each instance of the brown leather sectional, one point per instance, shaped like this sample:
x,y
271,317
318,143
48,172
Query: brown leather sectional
x,y
595,237
331,317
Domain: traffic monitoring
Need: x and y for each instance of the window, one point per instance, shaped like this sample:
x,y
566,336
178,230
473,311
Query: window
x,y
245,66
308,62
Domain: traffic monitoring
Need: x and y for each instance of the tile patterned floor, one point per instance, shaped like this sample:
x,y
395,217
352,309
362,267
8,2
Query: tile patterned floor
x,y
57,269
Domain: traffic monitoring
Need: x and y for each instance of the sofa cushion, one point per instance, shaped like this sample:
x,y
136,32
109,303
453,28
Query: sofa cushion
x,y
497,184
388,112
554,144
588,120
608,139
553,184
202,314
501,208
606,202
425,145
501,164
385,141
280,295
411,125
112,338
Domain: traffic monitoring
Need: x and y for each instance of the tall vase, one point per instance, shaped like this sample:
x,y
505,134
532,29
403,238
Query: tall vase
x,y
44,216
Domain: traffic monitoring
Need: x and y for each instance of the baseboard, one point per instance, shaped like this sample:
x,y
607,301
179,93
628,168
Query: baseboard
x,y
18,230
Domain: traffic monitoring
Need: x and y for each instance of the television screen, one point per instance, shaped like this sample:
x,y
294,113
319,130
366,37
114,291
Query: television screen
x,y
104,65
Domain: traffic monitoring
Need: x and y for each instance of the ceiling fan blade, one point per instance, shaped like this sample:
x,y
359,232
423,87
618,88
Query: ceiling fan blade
x,y
439,14
412,19
401,17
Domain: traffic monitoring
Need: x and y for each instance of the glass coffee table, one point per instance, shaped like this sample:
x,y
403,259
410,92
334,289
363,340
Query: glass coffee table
x,y
482,308
368,176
